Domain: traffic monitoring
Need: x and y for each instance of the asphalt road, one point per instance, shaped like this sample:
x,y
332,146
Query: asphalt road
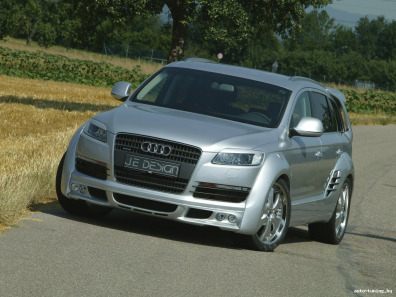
x,y
54,254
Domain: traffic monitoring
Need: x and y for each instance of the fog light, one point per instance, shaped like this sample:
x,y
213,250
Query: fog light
x,y
232,218
75,187
220,217
83,189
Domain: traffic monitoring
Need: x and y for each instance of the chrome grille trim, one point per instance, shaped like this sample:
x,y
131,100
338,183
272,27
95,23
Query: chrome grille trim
x,y
181,153
185,155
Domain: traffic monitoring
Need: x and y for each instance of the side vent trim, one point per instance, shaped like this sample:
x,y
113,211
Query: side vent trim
x,y
333,182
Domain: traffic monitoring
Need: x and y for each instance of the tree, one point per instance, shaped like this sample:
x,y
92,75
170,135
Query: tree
x,y
46,35
66,24
316,32
32,16
48,27
229,22
9,16
369,35
388,41
345,40
262,51
38,20
144,32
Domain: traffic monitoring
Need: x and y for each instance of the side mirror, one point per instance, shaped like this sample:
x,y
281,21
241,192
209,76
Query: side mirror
x,y
121,90
308,127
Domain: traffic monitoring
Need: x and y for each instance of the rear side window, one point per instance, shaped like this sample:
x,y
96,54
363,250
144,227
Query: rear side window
x,y
335,123
341,116
337,114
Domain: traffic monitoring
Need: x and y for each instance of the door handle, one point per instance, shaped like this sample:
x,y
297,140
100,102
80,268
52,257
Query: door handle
x,y
319,155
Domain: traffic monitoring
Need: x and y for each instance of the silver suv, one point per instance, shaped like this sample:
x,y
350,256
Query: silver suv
x,y
246,151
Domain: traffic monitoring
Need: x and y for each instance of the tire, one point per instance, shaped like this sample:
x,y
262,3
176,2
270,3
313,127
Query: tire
x,y
77,207
333,231
275,220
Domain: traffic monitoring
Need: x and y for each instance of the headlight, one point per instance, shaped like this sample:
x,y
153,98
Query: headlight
x,y
96,130
238,159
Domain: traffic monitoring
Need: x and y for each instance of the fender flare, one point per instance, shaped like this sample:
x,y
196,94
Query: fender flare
x,y
275,166
69,162
345,166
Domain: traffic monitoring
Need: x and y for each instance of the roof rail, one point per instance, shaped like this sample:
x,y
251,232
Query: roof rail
x,y
199,60
296,78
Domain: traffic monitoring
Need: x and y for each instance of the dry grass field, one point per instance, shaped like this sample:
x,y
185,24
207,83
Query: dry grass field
x,y
37,120
376,119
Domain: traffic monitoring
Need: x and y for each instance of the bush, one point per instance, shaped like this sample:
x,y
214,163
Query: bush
x,y
370,102
39,65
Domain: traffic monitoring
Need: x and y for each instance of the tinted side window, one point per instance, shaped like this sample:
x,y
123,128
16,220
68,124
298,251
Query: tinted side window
x,y
322,111
344,119
335,123
337,114
340,115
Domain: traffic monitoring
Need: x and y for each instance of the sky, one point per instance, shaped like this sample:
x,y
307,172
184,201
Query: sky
x,y
347,12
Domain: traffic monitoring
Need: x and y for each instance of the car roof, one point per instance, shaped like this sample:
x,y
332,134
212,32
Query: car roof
x,y
288,82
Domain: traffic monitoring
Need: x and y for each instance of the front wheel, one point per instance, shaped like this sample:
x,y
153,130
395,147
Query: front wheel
x,y
333,231
77,207
274,220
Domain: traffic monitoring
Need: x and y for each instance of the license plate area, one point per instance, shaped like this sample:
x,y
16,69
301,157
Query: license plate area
x,y
152,165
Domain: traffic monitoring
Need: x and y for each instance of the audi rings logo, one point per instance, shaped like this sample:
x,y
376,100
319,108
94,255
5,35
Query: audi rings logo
x,y
156,148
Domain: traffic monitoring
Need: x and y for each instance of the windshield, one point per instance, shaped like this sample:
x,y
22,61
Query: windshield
x,y
216,95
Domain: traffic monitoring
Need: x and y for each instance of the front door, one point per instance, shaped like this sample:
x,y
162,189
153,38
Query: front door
x,y
303,155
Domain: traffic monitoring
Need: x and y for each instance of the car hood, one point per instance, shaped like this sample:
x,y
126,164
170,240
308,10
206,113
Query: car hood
x,y
207,132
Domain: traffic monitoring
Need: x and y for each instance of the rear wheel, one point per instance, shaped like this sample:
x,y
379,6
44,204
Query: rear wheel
x,y
333,231
274,219
77,207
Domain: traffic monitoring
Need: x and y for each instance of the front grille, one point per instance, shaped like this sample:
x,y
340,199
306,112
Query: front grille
x,y
145,203
184,155
218,194
91,169
181,153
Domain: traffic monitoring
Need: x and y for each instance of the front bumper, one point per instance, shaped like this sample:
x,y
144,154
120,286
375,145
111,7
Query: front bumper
x,y
182,208
242,217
